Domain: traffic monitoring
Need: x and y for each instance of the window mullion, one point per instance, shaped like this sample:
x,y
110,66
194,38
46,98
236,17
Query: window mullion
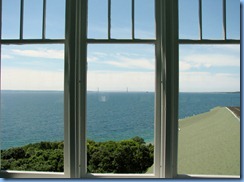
x,y
159,122
70,153
167,87
21,19
44,20
133,18
224,18
82,87
109,19
200,18
172,86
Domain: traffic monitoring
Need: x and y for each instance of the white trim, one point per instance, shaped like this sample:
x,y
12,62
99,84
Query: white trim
x,y
159,127
70,154
201,176
82,86
158,92
233,114
99,175
31,174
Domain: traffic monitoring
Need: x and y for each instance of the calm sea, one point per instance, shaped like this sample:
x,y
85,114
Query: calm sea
x,y
34,116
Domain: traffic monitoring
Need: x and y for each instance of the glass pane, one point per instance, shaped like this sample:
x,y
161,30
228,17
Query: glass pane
x,y
189,19
144,19
233,19
209,110
98,19
32,123
55,19
10,19
32,19
121,19
212,19
120,108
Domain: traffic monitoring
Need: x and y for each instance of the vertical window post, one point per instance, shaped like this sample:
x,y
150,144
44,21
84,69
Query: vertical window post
x,y
70,152
82,87
159,153
224,19
21,19
200,18
167,86
44,20
172,87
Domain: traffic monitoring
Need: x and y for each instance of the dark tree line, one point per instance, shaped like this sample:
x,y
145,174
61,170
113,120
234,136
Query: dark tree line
x,y
127,156
44,156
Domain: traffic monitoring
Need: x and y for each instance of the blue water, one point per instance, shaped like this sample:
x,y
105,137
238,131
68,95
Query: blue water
x,y
32,116
120,115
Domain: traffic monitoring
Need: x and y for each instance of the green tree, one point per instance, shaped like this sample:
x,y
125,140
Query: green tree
x,y
127,156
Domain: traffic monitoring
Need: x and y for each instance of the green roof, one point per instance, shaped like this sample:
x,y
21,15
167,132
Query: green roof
x,y
209,143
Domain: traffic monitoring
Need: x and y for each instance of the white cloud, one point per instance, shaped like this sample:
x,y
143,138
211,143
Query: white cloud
x,y
207,82
42,53
228,48
6,56
213,60
209,56
207,61
13,78
184,66
92,59
101,54
25,79
119,81
124,62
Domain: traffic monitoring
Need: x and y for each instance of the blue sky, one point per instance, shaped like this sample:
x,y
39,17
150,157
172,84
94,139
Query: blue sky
x,y
118,67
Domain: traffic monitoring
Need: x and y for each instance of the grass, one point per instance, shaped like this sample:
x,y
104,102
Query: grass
x,y
209,143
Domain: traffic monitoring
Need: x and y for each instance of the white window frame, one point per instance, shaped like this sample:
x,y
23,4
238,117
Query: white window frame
x,y
22,41
166,102
201,41
164,160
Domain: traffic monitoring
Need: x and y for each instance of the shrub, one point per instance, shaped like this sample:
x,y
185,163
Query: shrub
x,y
127,156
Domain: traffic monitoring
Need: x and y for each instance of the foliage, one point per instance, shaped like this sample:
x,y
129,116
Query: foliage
x,y
43,156
127,156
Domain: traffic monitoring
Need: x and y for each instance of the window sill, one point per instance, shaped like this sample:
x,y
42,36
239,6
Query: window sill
x,y
31,174
99,175
200,176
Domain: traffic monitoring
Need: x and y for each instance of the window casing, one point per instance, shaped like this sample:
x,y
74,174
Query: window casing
x,y
201,40
166,89
78,82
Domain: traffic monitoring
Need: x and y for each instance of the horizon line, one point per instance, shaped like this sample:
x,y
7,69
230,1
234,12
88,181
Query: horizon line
x,y
125,91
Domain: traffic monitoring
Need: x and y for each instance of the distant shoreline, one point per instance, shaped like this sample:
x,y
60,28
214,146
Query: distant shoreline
x,y
90,91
